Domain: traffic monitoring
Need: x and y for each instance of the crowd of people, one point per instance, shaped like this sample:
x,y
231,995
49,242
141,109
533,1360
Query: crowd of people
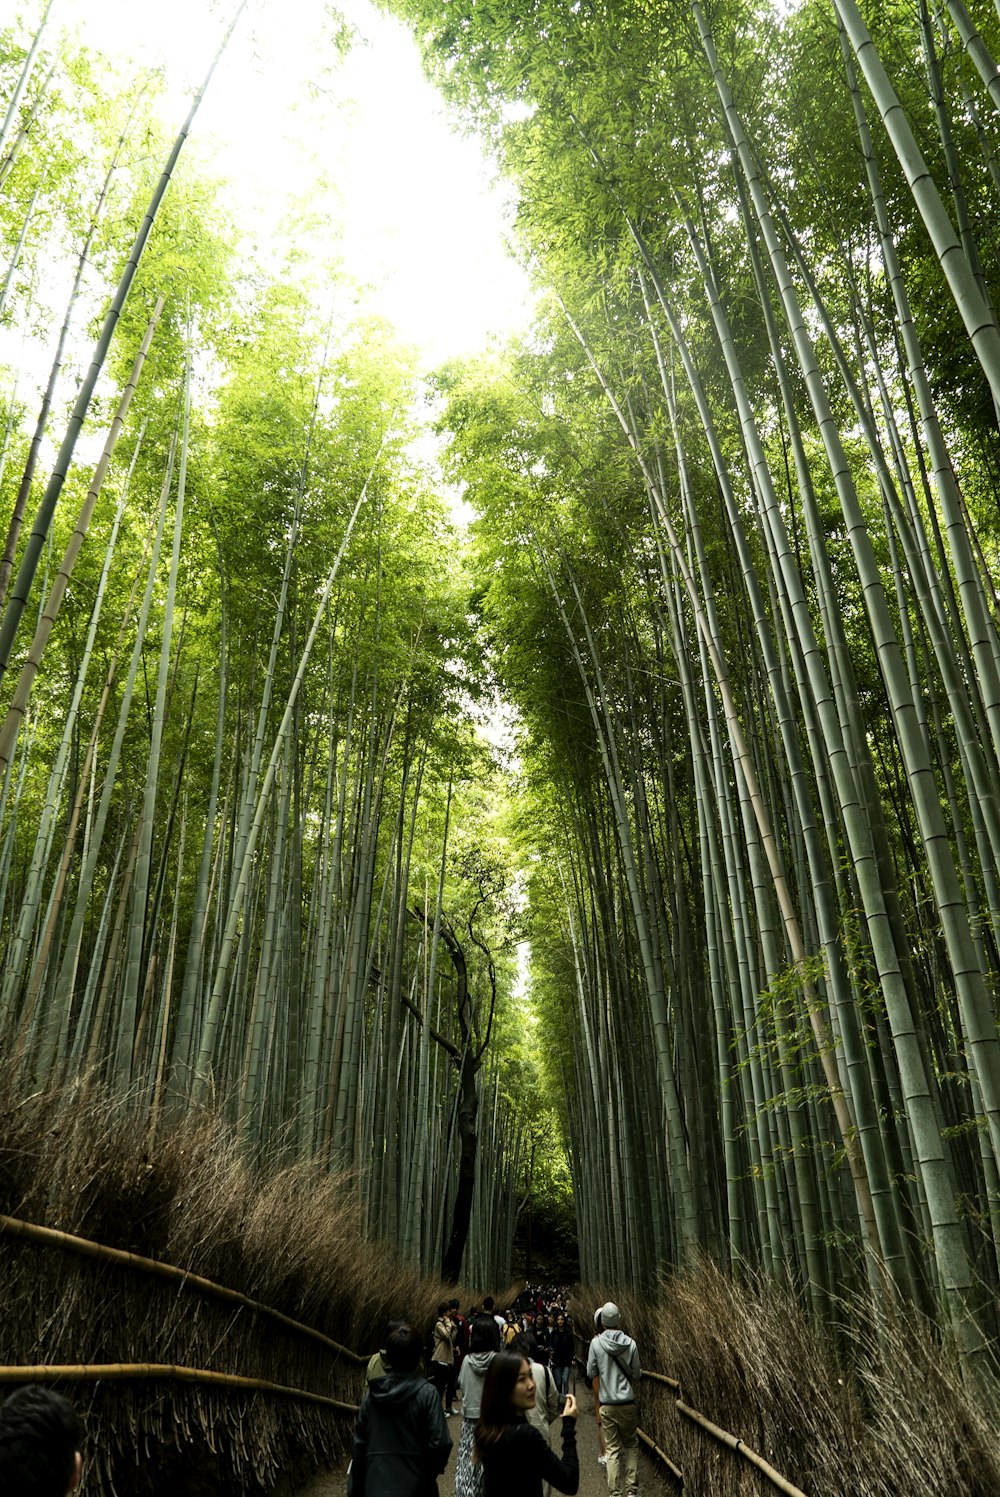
x,y
511,1370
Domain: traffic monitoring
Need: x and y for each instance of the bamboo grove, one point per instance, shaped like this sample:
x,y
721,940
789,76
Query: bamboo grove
x,y
734,565
239,752
738,537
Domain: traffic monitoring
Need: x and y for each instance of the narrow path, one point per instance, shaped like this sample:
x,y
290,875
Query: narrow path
x,y
593,1483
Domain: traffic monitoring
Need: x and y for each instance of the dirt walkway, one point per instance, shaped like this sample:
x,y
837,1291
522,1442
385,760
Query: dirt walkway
x,y
593,1482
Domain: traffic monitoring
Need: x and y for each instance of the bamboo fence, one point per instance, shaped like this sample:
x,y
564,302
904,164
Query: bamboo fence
x,y
32,1232
167,1372
732,1442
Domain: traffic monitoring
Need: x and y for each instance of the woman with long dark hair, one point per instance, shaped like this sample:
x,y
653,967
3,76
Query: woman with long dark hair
x,y
515,1456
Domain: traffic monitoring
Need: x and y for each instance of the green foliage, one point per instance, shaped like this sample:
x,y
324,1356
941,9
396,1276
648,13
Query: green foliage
x,y
301,479
748,630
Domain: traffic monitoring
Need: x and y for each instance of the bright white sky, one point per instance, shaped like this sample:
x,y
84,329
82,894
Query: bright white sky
x,y
366,140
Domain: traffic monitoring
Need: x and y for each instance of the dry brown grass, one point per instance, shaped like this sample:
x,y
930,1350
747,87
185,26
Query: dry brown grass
x,y
83,1162
884,1409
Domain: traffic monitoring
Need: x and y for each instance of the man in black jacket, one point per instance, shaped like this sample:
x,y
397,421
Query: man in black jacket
x,y
401,1439
40,1441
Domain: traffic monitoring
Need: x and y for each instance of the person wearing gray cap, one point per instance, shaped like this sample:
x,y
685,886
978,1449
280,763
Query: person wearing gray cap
x,y
614,1361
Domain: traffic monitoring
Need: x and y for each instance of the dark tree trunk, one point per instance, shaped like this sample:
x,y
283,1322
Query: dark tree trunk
x,y
468,1058
468,1133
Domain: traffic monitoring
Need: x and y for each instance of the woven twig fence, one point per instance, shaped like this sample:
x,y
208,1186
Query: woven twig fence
x,y
672,1388
254,1393
85,1247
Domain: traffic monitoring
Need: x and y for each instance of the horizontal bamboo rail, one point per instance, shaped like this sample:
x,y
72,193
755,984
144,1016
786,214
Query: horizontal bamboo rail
x,y
32,1232
735,1443
674,1470
85,1247
165,1371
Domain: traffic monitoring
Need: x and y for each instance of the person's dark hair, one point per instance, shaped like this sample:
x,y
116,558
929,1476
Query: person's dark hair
x,y
453,1304
496,1410
484,1335
402,1348
40,1434
526,1342
391,1325
443,1307
488,1302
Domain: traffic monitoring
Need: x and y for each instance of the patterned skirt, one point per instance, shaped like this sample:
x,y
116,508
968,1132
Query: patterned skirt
x,y
468,1474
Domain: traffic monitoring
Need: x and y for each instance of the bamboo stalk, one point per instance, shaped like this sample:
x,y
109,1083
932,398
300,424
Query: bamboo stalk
x,y
24,77
19,702
213,1014
17,601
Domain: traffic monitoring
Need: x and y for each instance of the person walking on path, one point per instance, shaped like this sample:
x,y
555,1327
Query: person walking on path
x,y
488,1306
401,1440
460,1345
377,1364
486,1322
614,1361
594,1385
443,1353
562,1353
548,1400
515,1456
471,1376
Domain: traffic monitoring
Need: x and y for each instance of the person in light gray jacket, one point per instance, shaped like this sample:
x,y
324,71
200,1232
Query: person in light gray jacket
x,y
614,1361
471,1376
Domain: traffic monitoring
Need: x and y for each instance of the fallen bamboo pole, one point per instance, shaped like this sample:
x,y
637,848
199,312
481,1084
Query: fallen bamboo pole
x,y
31,1232
165,1371
735,1443
661,1377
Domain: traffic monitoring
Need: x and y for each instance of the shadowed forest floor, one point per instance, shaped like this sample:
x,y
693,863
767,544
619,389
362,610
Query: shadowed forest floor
x,y
593,1482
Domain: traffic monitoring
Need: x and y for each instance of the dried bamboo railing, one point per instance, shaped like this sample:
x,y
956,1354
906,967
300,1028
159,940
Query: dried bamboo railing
x,y
317,1404
10,1226
164,1371
735,1443
732,1442
661,1377
32,1232
661,1455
